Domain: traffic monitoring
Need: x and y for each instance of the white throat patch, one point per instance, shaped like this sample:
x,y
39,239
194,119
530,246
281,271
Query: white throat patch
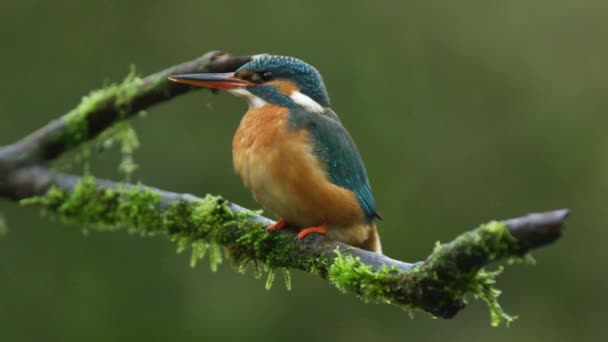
x,y
254,101
306,102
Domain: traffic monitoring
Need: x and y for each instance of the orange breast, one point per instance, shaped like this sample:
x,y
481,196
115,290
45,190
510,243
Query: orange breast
x,y
285,177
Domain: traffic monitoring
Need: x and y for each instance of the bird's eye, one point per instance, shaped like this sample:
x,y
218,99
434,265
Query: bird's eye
x,y
267,76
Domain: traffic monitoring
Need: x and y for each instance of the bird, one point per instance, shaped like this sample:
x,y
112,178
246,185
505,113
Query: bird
x,y
293,153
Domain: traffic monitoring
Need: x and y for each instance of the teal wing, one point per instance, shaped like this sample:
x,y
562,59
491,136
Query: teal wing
x,y
335,147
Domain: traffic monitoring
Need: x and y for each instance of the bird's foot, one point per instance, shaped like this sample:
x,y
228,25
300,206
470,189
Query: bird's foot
x,y
322,229
280,224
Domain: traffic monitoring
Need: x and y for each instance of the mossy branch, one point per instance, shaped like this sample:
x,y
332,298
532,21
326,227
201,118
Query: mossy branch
x,y
437,284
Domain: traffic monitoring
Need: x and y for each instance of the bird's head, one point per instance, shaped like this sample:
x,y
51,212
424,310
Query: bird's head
x,y
278,80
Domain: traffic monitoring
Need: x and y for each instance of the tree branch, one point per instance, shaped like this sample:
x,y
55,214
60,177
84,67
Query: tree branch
x,y
104,107
437,284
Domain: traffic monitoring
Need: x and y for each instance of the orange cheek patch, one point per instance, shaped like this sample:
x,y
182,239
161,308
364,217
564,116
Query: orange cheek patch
x,y
284,87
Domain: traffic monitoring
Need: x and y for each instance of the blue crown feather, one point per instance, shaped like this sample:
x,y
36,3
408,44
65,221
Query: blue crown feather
x,y
307,78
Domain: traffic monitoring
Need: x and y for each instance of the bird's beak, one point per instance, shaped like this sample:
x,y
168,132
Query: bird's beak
x,y
213,80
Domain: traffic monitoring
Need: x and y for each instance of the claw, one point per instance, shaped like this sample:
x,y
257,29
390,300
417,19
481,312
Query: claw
x,y
322,229
280,224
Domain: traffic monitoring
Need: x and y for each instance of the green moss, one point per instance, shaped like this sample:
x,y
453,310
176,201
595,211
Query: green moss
x,y
215,256
475,248
438,285
445,284
480,246
199,249
482,286
269,279
76,138
258,270
273,250
200,226
287,278
76,120
120,95
89,206
350,275
129,89
123,135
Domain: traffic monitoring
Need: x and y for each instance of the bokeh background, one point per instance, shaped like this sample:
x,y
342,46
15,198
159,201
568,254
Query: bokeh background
x,y
464,111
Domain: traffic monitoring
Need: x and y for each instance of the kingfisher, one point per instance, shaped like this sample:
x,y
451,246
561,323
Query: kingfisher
x,y
293,153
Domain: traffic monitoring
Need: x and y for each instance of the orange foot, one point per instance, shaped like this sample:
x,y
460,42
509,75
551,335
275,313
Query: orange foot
x,y
322,229
280,224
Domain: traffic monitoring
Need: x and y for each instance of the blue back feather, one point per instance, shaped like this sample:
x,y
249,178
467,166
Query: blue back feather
x,y
335,147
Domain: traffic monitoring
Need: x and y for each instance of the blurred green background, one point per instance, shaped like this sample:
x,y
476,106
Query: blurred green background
x,y
463,111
